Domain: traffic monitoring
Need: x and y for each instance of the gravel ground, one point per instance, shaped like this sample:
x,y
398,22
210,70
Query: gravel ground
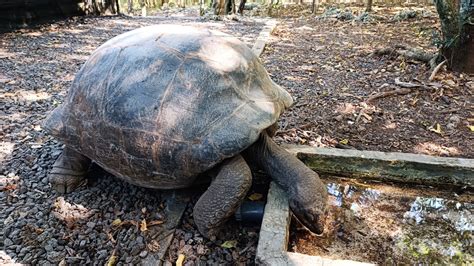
x,y
102,221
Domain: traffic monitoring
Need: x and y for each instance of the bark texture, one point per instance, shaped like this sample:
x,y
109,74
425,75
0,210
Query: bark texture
x,y
458,33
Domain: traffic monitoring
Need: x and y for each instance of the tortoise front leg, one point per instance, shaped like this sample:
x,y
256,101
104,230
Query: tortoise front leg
x,y
306,192
223,196
69,171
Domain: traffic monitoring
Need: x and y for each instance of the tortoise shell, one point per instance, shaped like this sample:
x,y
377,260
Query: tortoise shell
x,y
159,105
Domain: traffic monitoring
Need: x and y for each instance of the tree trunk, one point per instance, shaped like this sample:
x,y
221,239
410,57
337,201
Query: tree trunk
x,y
229,7
242,6
117,7
368,7
130,6
457,18
216,6
201,7
313,7
95,7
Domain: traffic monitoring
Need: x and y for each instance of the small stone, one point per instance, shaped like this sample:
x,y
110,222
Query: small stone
x,y
143,254
188,236
201,250
135,251
102,254
90,224
139,240
7,242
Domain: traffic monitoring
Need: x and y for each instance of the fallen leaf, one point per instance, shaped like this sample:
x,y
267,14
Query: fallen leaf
x,y
229,244
112,260
9,187
255,196
180,260
471,128
344,141
153,246
117,222
436,129
143,226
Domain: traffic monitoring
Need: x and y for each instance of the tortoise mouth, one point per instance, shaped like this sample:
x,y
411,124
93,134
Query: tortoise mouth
x,y
312,220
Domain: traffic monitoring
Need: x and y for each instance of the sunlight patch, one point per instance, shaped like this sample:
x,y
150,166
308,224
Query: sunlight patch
x,y
33,96
436,149
6,149
346,108
70,213
6,54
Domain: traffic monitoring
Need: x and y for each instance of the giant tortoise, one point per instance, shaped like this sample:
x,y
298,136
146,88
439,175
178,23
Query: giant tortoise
x,y
160,106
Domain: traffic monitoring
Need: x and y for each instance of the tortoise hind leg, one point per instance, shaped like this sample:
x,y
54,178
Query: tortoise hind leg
x,y
69,171
223,197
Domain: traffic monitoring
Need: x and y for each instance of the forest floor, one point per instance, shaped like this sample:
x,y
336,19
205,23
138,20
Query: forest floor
x,y
327,65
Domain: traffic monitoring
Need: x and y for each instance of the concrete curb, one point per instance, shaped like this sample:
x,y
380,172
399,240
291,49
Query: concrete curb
x,y
263,37
388,166
273,239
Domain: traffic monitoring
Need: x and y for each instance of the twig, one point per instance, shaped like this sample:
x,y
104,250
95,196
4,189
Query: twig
x,y
405,84
449,111
383,94
435,70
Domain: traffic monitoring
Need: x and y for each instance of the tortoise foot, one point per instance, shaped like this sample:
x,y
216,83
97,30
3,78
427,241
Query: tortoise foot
x,y
223,197
69,171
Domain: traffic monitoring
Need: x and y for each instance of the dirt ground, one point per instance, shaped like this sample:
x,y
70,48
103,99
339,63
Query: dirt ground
x,y
391,224
329,67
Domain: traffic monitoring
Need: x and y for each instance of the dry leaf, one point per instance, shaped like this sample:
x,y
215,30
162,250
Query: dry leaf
x,y
9,187
180,260
471,128
344,141
112,260
436,129
255,196
143,226
117,222
229,244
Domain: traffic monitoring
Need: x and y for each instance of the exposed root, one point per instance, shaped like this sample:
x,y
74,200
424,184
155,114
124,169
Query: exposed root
x,y
407,52
406,87
435,70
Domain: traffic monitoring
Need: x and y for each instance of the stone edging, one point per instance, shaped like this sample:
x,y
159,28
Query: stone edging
x,y
263,37
274,232
388,166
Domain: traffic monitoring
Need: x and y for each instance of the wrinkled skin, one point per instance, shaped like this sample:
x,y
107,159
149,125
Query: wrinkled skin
x,y
307,194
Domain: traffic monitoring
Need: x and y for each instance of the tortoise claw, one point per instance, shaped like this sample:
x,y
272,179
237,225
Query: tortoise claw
x,y
66,183
69,171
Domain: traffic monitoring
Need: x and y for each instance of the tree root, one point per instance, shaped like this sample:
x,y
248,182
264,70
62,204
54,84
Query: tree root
x,y
435,70
383,94
405,88
409,53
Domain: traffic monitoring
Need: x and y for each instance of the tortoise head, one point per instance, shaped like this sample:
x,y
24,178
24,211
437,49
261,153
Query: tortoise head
x,y
310,212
